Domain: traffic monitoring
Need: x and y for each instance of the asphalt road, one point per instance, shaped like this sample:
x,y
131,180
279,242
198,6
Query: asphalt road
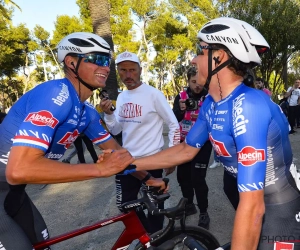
x,y
66,207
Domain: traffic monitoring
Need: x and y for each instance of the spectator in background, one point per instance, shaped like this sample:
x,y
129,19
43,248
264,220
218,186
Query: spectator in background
x,y
292,96
260,84
140,113
191,175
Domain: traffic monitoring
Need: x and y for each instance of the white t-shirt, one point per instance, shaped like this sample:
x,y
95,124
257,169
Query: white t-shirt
x,y
293,98
140,114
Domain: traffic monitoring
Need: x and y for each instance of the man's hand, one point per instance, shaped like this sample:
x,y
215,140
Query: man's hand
x,y
157,182
105,105
182,105
111,162
169,170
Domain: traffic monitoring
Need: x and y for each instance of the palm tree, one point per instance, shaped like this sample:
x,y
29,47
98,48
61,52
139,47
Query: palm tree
x,y
100,14
4,12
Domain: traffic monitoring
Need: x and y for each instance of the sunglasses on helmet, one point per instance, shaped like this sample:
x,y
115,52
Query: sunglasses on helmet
x,y
102,60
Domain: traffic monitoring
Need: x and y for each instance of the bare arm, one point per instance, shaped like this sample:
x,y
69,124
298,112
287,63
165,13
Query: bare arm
x,y
112,144
167,158
248,220
28,165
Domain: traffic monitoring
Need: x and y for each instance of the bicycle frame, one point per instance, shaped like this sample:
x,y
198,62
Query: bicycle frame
x,y
133,230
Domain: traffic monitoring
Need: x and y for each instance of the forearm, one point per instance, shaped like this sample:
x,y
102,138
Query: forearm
x,y
247,226
43,170
167,158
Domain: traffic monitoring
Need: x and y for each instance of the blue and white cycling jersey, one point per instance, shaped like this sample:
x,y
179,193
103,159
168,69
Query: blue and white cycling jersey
x,y
49,117
249,133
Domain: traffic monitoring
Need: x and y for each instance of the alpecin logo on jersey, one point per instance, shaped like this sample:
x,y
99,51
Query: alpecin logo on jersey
x,y
219,147
68,139
42,118
283,246
239,121
249,156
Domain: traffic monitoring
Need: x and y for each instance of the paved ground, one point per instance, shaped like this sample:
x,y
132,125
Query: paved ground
x,y
69,206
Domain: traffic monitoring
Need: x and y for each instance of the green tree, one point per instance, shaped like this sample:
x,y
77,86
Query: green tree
x,y
5,14
278,21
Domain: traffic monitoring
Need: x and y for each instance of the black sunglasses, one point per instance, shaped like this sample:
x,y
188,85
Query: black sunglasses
x,y
200,48
102,60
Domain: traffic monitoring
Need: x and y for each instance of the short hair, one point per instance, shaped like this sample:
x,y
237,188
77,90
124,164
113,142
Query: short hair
x,y
259,79
191,72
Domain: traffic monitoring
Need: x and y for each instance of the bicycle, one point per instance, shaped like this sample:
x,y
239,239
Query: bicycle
x,y
167,238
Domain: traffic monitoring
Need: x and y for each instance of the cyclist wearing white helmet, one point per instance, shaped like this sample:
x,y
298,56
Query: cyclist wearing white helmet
x,y
249,133
40,127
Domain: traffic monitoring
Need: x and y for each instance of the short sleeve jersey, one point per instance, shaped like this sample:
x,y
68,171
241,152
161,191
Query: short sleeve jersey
x,y
249,133
49,118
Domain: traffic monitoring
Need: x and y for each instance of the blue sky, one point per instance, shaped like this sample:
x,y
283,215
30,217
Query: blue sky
x,y
43,12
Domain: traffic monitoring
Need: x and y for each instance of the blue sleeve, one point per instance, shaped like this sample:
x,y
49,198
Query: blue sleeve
x,y
95,131
42,115
198,134
250,131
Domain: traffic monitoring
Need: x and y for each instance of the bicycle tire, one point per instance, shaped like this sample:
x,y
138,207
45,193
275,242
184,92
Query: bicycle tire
x,y
203,236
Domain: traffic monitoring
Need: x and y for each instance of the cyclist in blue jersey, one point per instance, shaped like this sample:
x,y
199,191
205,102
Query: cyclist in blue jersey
x,y
40,127
250,134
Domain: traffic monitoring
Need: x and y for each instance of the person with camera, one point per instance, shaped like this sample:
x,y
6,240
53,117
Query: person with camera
x,y
140,113
191,175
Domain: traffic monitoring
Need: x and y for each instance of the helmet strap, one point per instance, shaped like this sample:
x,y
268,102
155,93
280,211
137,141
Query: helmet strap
x,y
216,70
78,77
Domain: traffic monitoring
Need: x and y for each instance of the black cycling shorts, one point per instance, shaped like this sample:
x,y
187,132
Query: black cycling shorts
x,y
21,224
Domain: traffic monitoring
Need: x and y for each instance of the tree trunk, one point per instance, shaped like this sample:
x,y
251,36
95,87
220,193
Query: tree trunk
x,y
100,15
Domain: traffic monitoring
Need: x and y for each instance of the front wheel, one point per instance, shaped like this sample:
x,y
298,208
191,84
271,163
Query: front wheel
x,y
201,235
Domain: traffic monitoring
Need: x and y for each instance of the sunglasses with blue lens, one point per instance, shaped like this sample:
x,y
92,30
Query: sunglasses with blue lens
x,y
102,60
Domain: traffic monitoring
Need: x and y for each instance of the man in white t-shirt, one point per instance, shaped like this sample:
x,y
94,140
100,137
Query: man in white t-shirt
x,y
293,94
140,113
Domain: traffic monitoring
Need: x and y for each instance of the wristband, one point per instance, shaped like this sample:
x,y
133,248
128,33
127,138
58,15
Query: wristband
x,y
130,169
146,178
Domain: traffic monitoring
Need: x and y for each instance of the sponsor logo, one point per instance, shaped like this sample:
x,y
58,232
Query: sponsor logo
x,y
221,112
42,118
2,247
45,234
133,205
68,139
219,119
249,156
63,95
250,186
36,134
126,55
225,39
71,121
107,222
219,147
50,155
231,169
283,246
70,48
130,110
217,127
270,171
297,217
239,121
